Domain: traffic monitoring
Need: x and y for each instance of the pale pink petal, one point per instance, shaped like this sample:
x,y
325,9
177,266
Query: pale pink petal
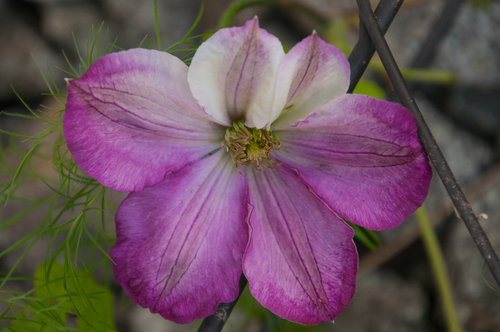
x,y
180,243
233,74
312,74
362,157
131,119
300,262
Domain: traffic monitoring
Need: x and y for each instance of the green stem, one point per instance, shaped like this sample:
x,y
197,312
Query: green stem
x,y
419,75
436,259
237,6
157,26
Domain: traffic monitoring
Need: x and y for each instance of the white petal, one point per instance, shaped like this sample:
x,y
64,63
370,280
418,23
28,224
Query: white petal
x,y
233,74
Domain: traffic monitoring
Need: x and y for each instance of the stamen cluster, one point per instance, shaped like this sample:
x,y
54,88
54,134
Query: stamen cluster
x,y
250,146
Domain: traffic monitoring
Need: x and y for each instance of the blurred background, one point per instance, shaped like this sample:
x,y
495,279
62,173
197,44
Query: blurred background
x,y
459,97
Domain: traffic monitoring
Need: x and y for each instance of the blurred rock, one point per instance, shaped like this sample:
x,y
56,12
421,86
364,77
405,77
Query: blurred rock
x,y
52,2
61,21
384,302
477,110
143,320
410,28
472,46
332,9
475,289
470,49
132,20
17,66
467,154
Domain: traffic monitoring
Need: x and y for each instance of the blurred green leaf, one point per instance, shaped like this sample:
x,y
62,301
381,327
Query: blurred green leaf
x,y
369,88
76,291
480,4
418,74
286,46
368,237
24,324
336,34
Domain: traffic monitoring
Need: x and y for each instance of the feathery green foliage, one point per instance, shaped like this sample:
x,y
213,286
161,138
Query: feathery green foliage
x,y
74,216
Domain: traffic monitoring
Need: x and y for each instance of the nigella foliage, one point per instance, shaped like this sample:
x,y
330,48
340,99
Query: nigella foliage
x,y
72,213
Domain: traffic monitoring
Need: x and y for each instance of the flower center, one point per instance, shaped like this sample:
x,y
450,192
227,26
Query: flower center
x,y
250,146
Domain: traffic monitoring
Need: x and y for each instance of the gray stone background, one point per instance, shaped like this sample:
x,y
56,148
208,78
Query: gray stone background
x,y
396,290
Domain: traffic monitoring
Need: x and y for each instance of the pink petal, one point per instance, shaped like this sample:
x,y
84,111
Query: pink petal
x,y
131,119
233,74
362,157
300,262
180,243
312,73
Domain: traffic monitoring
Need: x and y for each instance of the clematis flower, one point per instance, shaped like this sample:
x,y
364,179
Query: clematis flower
x,y
247,161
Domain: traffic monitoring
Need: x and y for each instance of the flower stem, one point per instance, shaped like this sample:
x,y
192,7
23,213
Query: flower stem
x,y
436,259
157,27
216,321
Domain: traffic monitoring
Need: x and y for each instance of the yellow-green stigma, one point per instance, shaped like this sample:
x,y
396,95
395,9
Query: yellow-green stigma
x,y
250,146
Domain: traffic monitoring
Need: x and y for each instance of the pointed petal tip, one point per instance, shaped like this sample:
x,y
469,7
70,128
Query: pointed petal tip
x,y
312,74
253,23
233,74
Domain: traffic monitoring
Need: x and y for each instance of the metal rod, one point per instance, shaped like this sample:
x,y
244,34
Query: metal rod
x,y
363,50
216,321
435,155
